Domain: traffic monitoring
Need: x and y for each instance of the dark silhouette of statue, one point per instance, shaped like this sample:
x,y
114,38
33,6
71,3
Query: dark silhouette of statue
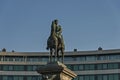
x,y
55,41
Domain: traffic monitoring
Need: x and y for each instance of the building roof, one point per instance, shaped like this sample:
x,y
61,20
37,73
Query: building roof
x,y
68,53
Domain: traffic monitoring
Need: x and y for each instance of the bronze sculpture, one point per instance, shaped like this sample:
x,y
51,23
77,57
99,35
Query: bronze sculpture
x,y
55,41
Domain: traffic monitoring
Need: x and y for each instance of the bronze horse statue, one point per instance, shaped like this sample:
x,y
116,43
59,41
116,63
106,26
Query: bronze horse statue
x,y
54,45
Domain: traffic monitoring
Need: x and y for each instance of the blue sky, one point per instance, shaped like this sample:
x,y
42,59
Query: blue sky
x,y
86,24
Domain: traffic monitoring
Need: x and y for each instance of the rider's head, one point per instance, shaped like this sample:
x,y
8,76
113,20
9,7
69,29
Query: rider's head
x,y
56,21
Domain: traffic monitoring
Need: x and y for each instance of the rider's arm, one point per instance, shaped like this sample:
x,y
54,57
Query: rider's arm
x,y
60,30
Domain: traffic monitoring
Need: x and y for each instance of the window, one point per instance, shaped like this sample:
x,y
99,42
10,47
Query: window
x,y
10,77
34,68
103,57
5,68
92,67
81,67
68,59
104,66
99,66
86,77
33,78
0,58
111,77
45,59
29,78
8,58
82,58
99,77
21,78
92,78
19,68
5,77
19,58
75,67
18,77
0,67
116,77
29,59
116,66
113,66
29,68
105,77
81,78
89,67
114,57
10,68
90,58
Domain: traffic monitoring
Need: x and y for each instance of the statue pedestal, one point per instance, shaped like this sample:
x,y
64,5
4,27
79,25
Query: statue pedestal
x,y
56,71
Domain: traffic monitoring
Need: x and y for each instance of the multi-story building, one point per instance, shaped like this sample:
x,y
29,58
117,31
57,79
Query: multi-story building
x,y
88,65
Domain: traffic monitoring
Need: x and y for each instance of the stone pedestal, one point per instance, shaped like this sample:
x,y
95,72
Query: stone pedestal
x,y
56,71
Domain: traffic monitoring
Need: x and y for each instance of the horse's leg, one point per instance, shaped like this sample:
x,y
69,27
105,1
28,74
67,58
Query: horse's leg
x,y
58,57
62,51
51,55
55,53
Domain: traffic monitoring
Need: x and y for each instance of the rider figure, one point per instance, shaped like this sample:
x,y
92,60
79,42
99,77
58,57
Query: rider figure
x,y
58,31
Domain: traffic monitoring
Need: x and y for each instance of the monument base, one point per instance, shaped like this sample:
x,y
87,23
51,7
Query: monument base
x,y
56,71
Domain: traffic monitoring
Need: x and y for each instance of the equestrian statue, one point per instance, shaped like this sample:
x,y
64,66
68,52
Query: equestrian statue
x,y
55,42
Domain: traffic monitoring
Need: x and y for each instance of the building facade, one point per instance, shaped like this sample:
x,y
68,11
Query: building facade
x,y
88,65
